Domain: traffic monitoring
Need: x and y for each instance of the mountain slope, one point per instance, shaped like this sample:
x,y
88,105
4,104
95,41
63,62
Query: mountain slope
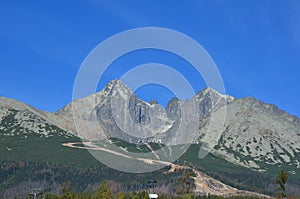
x,y
32,155
244,131
253,135
259,135
17,118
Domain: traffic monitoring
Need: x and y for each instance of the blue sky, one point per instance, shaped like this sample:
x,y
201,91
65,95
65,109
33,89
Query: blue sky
x,y
255,44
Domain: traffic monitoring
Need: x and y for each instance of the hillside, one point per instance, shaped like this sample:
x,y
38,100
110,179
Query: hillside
x,y
254,141
243,131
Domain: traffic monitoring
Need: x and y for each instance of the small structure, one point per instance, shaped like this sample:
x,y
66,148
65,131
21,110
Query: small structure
x,y
153,195
36,194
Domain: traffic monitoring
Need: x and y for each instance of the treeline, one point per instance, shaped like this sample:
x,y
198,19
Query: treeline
x,y
18,178
104,192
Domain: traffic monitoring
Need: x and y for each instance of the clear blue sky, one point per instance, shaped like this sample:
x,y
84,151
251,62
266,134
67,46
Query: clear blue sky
x,y
255,44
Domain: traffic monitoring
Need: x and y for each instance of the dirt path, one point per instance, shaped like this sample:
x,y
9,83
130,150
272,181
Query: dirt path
x,y
152,151
90,146
204,184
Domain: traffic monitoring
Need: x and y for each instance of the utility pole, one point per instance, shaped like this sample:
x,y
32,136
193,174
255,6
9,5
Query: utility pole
x,y
35,194
151,184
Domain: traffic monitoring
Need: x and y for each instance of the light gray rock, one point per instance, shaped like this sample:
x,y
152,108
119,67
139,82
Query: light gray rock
x,y
243,131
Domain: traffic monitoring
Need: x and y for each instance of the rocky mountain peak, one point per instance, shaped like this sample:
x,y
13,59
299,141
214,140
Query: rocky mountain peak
x,y
212,93
252,132
115,84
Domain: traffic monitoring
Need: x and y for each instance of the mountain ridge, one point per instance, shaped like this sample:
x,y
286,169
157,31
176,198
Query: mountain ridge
x,y
240,112
253,134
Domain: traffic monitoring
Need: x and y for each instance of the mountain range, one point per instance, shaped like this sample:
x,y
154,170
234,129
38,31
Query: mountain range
x,y
242,131
250,133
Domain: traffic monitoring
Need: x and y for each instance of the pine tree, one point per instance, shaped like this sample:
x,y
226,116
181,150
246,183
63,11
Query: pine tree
x,y
281,179
104,191
121,195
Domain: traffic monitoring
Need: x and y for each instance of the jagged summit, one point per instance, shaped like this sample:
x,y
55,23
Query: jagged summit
x,y
115,83
215,93
121,86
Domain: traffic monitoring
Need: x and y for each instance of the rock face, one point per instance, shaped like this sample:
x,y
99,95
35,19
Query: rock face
x,y
244,131
117,112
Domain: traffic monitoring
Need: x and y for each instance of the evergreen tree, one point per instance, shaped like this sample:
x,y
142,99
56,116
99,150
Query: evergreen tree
x,y
104,191
66,192
281,179
121,195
